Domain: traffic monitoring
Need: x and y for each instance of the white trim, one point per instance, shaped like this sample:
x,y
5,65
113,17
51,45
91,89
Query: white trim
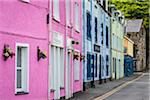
x,y
27,46
76,17
56,10
68,13
27,1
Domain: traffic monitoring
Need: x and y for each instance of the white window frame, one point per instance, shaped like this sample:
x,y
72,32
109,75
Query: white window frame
x,y
68,13
77,67
56,10
27,1
76,18
55,63
25,90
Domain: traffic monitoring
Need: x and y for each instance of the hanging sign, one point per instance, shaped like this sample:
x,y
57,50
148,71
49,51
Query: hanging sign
x,y
57,39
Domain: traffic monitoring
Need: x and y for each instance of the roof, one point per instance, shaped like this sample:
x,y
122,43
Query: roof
x,y
134,25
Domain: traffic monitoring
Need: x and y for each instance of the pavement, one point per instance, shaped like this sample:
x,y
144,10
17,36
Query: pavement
x,y
137,90
102,89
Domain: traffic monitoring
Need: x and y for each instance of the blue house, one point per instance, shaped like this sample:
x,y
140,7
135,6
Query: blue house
x,y
96,40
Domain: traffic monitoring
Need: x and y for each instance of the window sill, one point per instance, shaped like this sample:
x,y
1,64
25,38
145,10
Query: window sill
x,y
76,80
62,88
52,90
21,93
56,20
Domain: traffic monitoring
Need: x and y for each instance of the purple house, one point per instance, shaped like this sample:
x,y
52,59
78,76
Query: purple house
x,y
23,42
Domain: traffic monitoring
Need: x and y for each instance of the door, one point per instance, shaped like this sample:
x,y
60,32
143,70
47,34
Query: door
x,y
88,66
100,66
56,70
68,76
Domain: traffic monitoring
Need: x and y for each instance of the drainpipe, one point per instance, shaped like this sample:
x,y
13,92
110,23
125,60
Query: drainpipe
x,y
83,44
49,43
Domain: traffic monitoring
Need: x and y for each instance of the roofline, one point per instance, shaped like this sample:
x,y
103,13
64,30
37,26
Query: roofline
x,y
128,39
104,9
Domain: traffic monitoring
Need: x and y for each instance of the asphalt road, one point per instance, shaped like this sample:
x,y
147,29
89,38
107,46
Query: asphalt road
x,y
138,90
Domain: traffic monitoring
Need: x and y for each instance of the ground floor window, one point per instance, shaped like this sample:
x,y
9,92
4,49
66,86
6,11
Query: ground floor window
x,y
77,67
22,67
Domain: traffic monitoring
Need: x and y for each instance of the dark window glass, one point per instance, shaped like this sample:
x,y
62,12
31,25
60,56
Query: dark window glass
x,y
19,57
104,4
107,36
102,33
95,29
88,26
88,66
96,65
19,78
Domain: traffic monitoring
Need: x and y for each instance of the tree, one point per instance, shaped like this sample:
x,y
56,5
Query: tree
x,y
134,9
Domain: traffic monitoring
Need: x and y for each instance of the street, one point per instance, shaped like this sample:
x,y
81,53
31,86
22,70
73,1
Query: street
x,y
135,90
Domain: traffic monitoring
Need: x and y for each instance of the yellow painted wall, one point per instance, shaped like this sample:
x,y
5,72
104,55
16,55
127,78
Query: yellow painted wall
x,y
129,45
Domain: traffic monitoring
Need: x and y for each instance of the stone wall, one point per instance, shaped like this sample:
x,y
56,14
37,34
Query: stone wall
x,y
139,39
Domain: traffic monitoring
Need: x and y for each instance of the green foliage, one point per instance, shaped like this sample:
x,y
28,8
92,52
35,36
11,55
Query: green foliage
x,y
134,9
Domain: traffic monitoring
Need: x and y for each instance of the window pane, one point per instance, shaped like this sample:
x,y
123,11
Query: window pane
x,y
19,79
56,10
19,57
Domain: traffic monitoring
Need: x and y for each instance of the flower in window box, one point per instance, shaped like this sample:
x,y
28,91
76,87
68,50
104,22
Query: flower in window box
x,y
7,52
41,54
76,56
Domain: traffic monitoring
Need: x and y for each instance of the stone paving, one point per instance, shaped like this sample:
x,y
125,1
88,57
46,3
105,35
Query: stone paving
x,y
101,89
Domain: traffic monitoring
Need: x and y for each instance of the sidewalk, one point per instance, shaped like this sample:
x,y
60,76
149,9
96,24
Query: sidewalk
x,y
101,89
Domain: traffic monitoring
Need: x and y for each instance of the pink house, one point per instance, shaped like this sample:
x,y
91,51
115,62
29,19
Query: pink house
x,y
23,28
26,32
65,48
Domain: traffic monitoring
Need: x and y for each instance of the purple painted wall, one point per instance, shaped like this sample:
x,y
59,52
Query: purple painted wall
x,y
24,23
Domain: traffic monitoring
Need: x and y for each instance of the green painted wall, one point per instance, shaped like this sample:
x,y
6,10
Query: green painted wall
x,y
117,51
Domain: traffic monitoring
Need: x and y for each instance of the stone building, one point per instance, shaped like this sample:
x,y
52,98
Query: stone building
x,y
136,32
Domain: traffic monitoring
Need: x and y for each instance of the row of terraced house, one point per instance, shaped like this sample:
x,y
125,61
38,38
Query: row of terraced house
x,y
51,49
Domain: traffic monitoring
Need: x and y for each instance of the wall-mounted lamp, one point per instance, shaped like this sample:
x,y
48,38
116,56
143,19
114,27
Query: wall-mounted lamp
x,y
75,42
41,54
7,52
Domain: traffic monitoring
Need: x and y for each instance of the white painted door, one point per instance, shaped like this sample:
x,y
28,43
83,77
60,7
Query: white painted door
x,y
56,70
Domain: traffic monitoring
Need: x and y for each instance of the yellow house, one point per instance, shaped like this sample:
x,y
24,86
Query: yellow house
x,y
128,46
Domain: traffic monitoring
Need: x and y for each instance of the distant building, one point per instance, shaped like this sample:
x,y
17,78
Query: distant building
x,y
136,32
128,46
117,50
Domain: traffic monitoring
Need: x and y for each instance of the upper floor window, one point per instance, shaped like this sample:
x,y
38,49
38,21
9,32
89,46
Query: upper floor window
x,y
96,39
102,33
88,26
104,4
77,16
56,13
107,42
68,12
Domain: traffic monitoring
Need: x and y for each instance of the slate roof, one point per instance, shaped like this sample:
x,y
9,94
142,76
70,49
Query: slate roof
x,y
134,25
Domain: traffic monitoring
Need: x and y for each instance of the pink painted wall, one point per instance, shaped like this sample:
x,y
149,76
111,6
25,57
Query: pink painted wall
x,y
62,28
24,23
